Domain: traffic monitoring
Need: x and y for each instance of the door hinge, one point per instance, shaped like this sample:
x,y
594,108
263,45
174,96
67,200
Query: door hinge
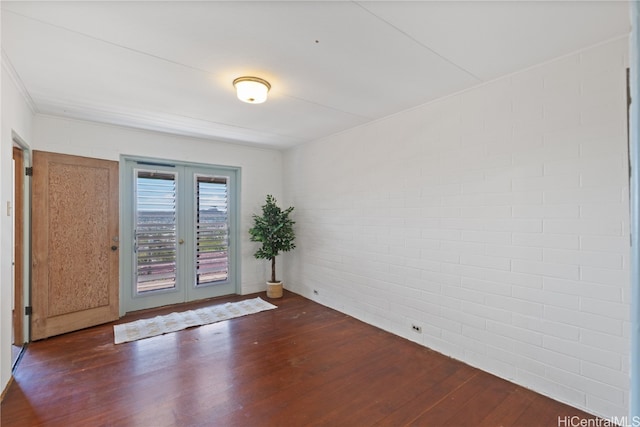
x,y
28,171
28,310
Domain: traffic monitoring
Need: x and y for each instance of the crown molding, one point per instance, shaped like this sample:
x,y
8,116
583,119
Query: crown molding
x,y
160,122
17,81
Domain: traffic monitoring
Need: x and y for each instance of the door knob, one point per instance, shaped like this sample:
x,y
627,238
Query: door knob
x,y
181,241
114,248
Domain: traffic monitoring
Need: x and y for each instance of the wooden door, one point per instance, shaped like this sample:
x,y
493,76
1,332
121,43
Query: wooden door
x,y
75,243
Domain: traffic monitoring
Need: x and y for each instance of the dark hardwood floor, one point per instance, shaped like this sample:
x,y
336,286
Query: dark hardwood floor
x,y
301,364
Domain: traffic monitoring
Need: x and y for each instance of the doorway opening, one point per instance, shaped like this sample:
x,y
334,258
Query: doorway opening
x,y
20,261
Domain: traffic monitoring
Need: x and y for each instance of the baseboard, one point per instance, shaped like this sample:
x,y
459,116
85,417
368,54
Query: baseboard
x,y
4,392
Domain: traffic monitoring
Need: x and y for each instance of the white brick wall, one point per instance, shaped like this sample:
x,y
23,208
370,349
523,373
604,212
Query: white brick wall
x,y
497,219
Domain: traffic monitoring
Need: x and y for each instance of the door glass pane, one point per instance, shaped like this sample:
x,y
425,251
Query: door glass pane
x,y
212,230
155,231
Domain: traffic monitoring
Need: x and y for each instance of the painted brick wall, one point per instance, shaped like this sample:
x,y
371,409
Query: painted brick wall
x,y
496,219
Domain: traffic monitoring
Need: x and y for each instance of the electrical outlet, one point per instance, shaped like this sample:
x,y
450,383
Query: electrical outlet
x,y
416,328
315,292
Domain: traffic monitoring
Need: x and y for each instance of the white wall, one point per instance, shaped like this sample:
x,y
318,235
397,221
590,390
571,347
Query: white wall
x,y
261,168
17,118
497,219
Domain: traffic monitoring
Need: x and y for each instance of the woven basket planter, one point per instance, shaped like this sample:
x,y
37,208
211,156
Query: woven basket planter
x,y
274,289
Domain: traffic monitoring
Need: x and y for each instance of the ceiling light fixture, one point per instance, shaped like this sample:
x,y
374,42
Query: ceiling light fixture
x,y
253,90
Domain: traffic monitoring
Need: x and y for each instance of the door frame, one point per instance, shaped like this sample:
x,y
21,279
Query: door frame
x,y
18,245
127,163
22,287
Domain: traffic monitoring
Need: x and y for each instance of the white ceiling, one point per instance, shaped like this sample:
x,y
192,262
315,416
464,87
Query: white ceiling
x,y
333,65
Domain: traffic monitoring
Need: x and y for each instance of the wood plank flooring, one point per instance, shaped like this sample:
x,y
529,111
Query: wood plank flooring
x,y
299,365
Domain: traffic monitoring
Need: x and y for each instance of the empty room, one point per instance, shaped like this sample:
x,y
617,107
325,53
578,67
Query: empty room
x,y
340,213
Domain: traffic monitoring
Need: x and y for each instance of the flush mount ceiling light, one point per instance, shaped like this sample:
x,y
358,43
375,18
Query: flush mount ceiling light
x,y
253,90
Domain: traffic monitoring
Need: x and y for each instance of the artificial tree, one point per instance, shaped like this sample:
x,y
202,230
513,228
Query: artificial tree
x,y
274,229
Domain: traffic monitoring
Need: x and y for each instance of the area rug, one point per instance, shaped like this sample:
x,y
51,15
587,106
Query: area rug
x,y
173,322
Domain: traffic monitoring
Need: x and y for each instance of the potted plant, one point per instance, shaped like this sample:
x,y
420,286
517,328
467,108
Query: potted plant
x,y
274,229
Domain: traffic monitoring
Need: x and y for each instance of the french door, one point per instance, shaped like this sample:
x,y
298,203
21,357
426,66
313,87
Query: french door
x,y
181,240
